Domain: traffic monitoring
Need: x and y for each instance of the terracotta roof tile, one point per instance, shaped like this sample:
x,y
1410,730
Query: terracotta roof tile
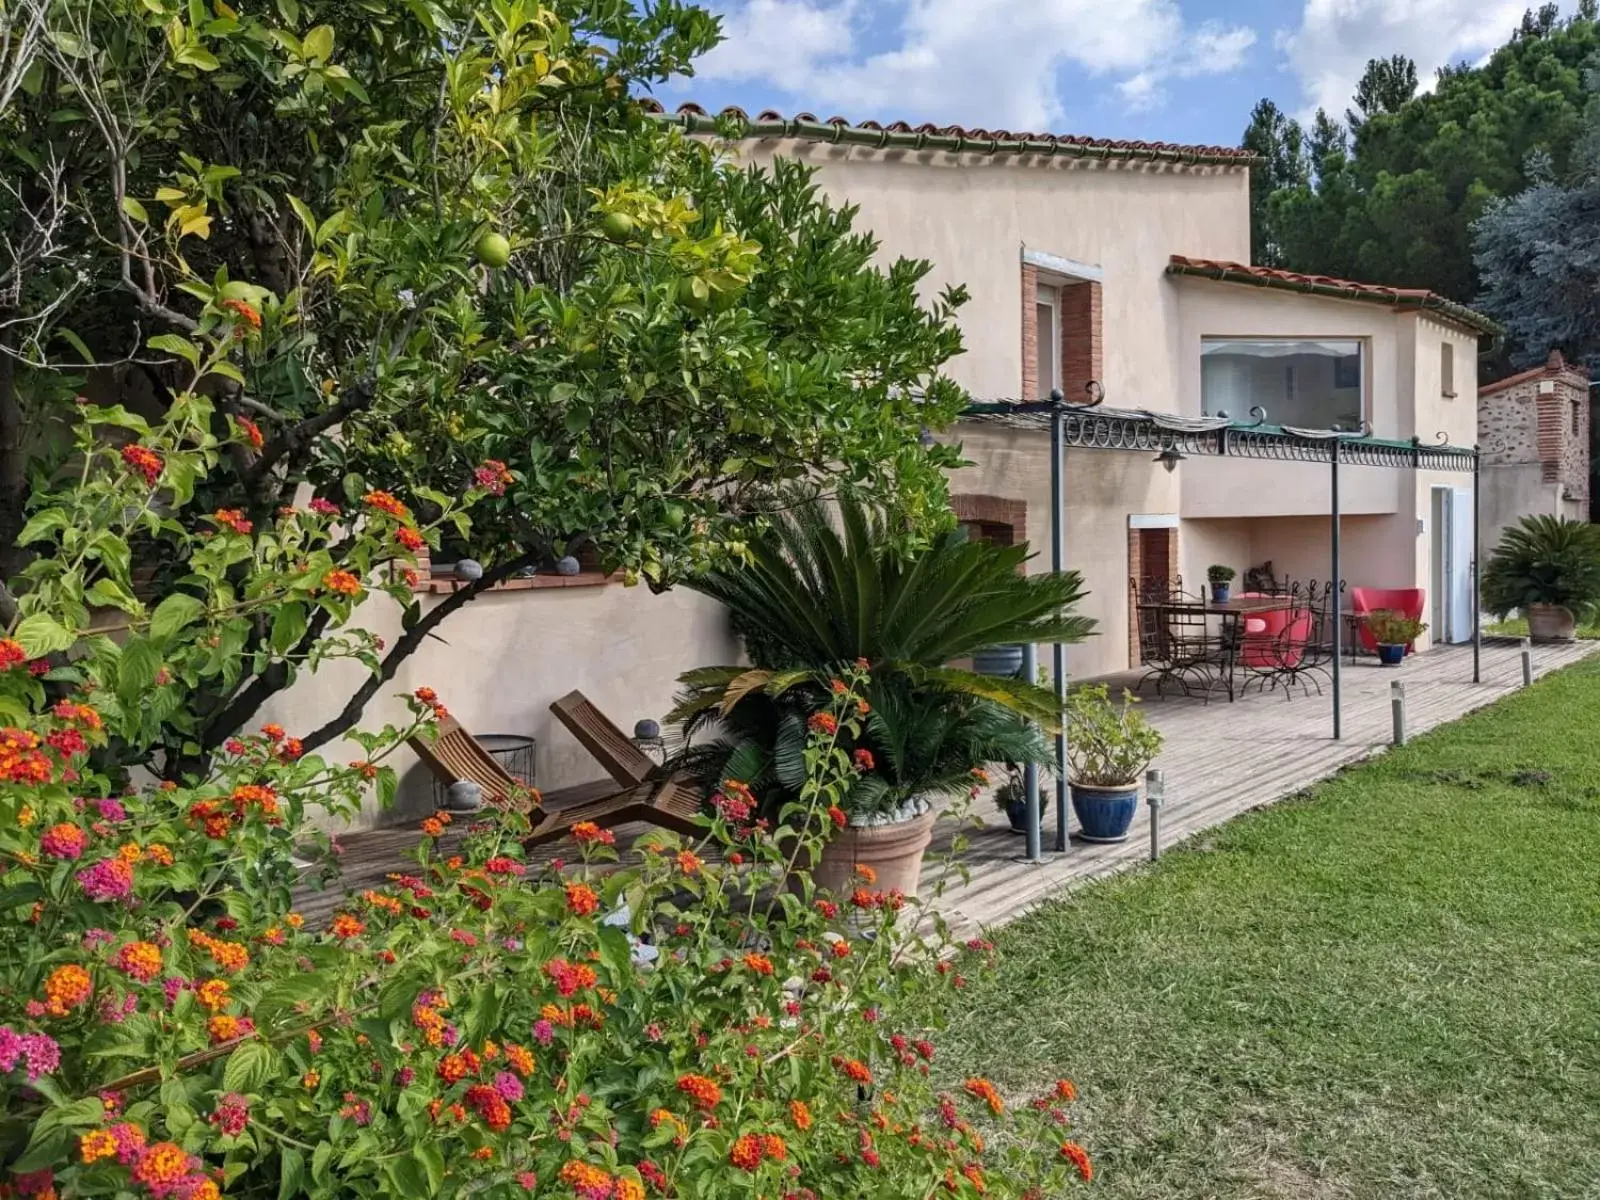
x,y
928,135
1327,285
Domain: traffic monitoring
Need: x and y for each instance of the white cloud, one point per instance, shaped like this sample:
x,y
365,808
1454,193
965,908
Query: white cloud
x,y
779,40
1212,49
972,62
1335,38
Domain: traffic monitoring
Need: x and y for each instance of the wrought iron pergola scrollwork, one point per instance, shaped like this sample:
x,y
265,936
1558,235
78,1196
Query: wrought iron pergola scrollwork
x,y
1095,427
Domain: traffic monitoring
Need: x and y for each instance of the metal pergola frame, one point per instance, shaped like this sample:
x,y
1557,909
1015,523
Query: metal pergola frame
x,y
1092,427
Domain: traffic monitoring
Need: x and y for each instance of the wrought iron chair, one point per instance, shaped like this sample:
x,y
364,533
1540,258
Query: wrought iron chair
x,y
1173,641
1316,655
1274,655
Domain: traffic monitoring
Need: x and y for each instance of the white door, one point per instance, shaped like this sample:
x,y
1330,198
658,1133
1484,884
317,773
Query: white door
x,y
1461,553
1451,577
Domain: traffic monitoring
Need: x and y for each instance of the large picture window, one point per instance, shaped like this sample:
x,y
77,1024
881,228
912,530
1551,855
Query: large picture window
x,y
1310,383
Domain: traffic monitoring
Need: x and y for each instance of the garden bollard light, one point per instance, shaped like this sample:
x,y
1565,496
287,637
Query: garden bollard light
x,y
1397,704
1155,789
1527,662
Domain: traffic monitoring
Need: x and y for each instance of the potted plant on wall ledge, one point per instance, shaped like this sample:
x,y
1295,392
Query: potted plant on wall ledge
x,y
1394,632
1221,578
1547,568
1108,748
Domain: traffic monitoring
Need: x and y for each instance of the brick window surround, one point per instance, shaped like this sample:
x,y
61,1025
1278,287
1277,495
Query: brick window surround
x,y
1081,353
1000,519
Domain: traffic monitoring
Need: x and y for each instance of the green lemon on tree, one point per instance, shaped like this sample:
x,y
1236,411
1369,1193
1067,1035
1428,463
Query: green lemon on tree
x,y
674,516
616,226
493,250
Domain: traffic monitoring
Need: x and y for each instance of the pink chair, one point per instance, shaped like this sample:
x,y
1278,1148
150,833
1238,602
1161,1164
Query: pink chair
x,y
1406,601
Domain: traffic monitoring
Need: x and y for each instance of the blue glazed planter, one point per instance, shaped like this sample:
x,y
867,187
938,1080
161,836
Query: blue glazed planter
x,y
1104,814
1002,661
1220,592
1391,656
1017,814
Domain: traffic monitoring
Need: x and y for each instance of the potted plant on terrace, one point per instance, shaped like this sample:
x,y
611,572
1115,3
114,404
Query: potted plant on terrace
x,y
1011,798
825,588
1394,632
1548,568
1221,578
1108,748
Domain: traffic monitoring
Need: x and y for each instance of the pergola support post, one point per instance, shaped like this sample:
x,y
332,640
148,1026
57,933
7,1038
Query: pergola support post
x,y
1058,560
1477,557
1336,604
1030,771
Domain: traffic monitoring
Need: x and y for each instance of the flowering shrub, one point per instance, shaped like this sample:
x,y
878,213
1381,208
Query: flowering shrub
x,y
172,1028
695,1023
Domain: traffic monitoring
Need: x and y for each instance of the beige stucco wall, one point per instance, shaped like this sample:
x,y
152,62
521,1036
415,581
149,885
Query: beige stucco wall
x,y
1512,491
1221,487
1102,489
505,656
972,216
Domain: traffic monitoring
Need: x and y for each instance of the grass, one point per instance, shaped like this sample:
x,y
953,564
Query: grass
x,y
1388,988
1518,627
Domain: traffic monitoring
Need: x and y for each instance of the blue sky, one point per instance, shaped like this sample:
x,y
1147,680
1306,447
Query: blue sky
x,y
1159,70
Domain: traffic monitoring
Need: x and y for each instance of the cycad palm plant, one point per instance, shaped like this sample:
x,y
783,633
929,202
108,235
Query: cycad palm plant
x,y
1545,560
824,589
817,594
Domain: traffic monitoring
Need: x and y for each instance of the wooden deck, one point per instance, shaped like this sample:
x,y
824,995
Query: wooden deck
x,y
1222,759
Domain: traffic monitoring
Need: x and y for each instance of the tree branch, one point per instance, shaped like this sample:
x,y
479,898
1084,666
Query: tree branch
x,y
413,638
294,438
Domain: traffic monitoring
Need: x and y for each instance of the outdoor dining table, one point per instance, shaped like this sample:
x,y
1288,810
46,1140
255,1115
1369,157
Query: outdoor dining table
x,y
1231,614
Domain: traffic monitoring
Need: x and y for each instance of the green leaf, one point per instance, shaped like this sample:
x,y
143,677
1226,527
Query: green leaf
x,y
198,56
173,344
108,593
303,211
249,1067
388,785
135,210
77,343
137,666
174,613
432,1160
42,634
318,44
288,627
291,1173
228,371
41,525
407,1177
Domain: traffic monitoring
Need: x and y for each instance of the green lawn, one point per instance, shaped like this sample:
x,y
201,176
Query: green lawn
x,y
1388,989
1518,627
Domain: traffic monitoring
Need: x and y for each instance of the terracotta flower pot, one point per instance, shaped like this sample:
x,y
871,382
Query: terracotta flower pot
x,y
894,852
1550,623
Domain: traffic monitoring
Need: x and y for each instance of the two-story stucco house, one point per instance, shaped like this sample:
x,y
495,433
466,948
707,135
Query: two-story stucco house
x,y
1120,268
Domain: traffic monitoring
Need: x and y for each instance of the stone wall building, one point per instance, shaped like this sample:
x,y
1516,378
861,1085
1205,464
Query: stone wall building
x,y
1533,428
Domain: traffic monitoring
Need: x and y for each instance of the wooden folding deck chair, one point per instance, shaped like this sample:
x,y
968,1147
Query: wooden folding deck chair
x,y
657,797
454,754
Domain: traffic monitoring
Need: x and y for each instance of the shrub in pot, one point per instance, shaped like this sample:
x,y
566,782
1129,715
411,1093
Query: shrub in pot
x,y
1011,798
1393,631
824,588
1548,568
1108,748
1221,579
913,746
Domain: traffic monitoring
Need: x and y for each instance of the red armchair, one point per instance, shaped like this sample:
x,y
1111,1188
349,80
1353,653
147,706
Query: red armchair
x,y
1406,601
